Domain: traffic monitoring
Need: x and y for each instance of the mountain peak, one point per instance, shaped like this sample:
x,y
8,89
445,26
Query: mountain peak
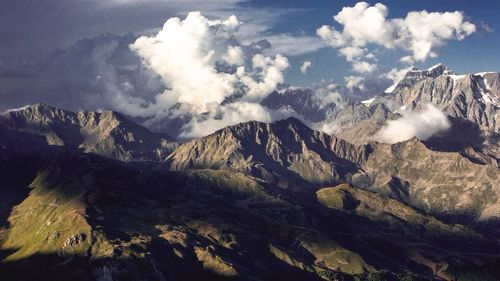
x,y
40,107
286,145
291,121
107,133
33,107
414,75
251,127
437,66
438,70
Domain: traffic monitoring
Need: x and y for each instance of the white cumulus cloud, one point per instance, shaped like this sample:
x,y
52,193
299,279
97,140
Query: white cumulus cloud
x,y
305,66
185,54
422,124
231,114
182,54
353,82
271,73
363,66
420,32
234,55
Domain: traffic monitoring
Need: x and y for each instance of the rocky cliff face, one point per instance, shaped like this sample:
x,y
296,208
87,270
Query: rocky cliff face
x,y
470,101
258,200
447,183
290,154
415,75
475,97
285,152
304,101
106,133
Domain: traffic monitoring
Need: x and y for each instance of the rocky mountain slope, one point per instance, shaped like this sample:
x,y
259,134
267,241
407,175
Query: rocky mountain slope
x,y
475,97
106,133
286,152
472,97
471,101
82,217
291,155
94,196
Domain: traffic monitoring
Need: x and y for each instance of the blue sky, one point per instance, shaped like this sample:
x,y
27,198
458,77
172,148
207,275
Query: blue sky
x,y
477,52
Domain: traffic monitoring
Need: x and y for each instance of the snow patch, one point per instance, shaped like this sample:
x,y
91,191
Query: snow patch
x,y
457,77
485,91
486,97
483,73
16,109
391,88
434,67
368,102
488,88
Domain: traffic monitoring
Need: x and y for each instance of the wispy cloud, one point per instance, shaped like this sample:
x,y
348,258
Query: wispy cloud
x,y
294,45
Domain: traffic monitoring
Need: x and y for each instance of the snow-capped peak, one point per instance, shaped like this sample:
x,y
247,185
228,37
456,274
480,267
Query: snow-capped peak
x,y
483,73
368,102
17,109
391,88
436,66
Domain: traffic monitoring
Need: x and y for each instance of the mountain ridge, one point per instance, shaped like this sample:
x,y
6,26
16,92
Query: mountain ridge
x,y
207,224
110,199
107,133
289,154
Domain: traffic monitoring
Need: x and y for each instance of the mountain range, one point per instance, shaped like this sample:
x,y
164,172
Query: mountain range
x,y
96,196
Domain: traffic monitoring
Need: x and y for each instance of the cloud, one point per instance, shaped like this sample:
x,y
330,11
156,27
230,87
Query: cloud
x,y
358,87
65,22
234,55
223,116
185,54
352,53
191,70
98,73
421,124
328,127
327,94
420,32
362,25
486,27
354,82
294,45
305,66
395,74
363,66
269,70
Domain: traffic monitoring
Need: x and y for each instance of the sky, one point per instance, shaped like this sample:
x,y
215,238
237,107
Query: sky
x,y
140,56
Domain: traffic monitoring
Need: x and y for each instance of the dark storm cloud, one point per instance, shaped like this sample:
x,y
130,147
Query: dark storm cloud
x,y
32,31
18,69
30,28
95,73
